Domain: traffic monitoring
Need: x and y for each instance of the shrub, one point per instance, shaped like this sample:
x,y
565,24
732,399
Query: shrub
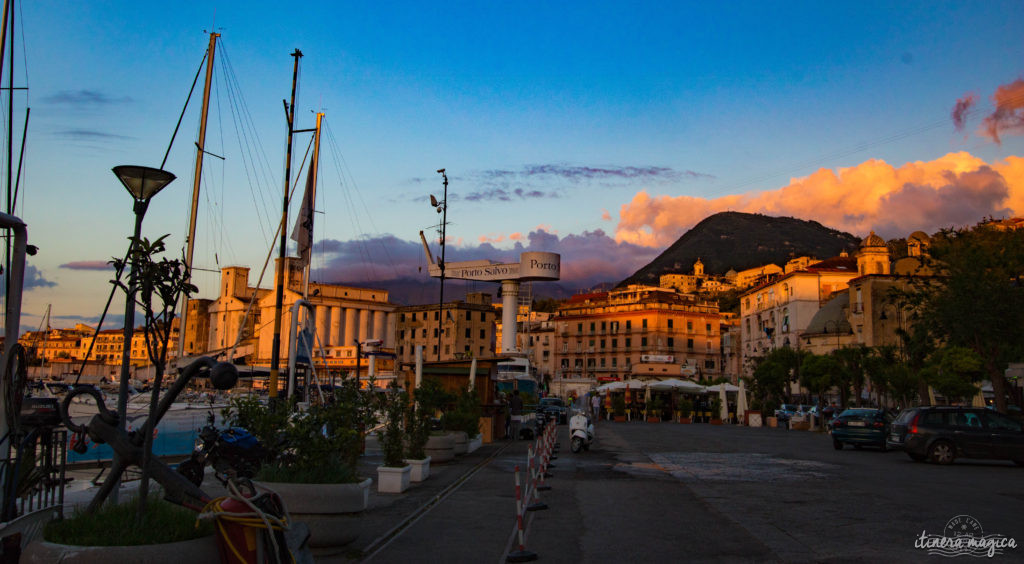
x,y
116,525
392,406
465,414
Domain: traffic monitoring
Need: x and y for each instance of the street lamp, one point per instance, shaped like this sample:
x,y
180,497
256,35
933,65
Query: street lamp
x,y
837,326
442,208
142,182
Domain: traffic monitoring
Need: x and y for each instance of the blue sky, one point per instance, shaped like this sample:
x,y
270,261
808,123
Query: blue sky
x,y
550,119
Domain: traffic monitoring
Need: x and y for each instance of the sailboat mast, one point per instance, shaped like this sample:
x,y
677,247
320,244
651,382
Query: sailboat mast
x,y
275,352
196,183
314,167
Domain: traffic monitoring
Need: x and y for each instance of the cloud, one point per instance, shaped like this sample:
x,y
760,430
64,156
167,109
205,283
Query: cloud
x,y
517,236
587,258
87,265
35,279
577,173
503,195
960,109
84,97
956,189
605,215
1008,117
90,135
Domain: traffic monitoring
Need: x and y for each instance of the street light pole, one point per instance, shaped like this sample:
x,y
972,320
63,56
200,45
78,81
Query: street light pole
x,y
443,208
142,183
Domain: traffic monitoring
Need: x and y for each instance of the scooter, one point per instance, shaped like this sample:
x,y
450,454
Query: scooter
x,y
581,431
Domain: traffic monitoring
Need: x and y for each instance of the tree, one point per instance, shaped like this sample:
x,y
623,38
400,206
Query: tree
x,y
158,285
818,374
977,301
773,374
850,361
953,371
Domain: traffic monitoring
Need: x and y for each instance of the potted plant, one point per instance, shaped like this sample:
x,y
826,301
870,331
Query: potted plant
x,y
716,410
685,411
314,456
394,475
654,409
432,398
463,419
619,407
417,434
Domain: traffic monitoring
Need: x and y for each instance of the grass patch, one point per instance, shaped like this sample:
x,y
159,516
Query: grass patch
x,y
327,473
115,525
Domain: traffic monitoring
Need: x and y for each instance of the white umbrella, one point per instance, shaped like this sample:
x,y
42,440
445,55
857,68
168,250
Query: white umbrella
x,y
719,387
611,386
723,411
979,399
741,401
684,386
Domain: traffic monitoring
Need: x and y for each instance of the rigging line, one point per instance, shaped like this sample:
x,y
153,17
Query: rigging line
x,y
359,237
185,107
355,187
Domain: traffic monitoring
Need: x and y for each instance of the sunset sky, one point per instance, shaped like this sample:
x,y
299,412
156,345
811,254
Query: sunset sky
x,y
602,131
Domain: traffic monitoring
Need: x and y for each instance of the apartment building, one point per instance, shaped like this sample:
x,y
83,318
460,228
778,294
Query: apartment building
x,y
465,331
612,335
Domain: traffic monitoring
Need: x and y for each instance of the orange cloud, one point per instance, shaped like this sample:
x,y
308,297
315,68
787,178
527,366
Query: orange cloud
x,y
605,215
517,236
1008,117
491,238
956,189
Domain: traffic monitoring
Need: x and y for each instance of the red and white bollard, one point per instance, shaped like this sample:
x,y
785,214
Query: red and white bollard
x,y
531,488
521,555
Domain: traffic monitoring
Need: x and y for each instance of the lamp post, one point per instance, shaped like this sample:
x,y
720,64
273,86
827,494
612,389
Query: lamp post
x,y
836,325
442,208
142,183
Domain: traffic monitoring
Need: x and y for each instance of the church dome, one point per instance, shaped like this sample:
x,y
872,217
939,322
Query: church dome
x,y
872,240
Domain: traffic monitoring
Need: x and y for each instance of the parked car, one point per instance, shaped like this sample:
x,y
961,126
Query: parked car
x,y
785,411
942,434
861,426
554,409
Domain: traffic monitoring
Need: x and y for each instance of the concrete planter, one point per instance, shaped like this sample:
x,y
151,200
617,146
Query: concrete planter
x,y
716,421
620,418
393,480
440,448
461,442
474,443
653,419
203,549
322,507
420,469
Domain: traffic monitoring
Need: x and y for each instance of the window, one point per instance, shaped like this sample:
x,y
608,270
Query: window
x,y
709,364
629,324
689,326
435,349
590,345
689,344
671,342
1000,422
615,362
602,343
643,341
707,328
414,316
401,317
579,327
591,326
483,333
447,349
483,317
644,323
401,334
669,323
423,333
937,419
468,333
435,315
590,363
435,331
629,342
469,316
615,343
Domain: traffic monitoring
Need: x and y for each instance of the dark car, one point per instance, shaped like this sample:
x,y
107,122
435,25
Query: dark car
x,y
554,409
942,434
861,426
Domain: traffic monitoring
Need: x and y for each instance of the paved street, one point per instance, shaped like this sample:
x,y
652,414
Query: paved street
x,y
668,493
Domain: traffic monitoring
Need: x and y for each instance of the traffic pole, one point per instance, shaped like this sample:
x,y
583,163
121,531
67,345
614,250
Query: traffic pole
x,y
521,555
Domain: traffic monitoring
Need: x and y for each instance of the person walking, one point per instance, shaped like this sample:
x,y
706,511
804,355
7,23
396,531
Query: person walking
x,y
516,409
595,406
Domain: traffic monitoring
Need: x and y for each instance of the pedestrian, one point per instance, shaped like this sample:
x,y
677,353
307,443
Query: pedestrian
x,y
595,405
516,408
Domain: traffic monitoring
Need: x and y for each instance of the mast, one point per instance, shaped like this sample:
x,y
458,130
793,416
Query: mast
x,y
196,183
275,352
314,166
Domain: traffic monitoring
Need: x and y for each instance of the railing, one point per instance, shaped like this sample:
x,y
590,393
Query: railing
x,y
42,485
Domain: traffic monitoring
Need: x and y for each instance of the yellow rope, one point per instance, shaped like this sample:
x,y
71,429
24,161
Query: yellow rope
x,y
214,508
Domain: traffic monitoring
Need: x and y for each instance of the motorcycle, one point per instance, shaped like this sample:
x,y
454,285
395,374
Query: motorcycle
x,y
234,454
581,431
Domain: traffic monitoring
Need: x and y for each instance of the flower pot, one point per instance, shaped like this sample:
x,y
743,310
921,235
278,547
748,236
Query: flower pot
x,y
474,443
461,444
620,418
393,480
716,421
322,507
772,421
440,448
685,420
653,419
420,469
203,549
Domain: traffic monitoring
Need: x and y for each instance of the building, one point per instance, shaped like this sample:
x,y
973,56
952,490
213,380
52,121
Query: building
x,y
613,335
467,330
776,313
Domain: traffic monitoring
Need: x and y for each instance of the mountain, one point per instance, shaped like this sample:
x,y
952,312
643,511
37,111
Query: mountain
x,y
735,240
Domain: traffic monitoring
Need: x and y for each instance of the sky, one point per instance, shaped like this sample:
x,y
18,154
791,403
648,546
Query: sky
x,y
602,131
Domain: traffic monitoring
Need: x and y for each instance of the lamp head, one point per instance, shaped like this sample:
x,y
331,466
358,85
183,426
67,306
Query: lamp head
x,y
440,171
433,201
142,182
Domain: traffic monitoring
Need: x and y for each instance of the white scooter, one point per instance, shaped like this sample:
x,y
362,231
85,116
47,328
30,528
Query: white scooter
x,y
581,431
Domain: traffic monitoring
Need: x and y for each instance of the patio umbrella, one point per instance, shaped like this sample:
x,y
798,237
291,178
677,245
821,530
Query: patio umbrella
x,y
684,386
647,399
628,399
723,411
741,401
979,399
